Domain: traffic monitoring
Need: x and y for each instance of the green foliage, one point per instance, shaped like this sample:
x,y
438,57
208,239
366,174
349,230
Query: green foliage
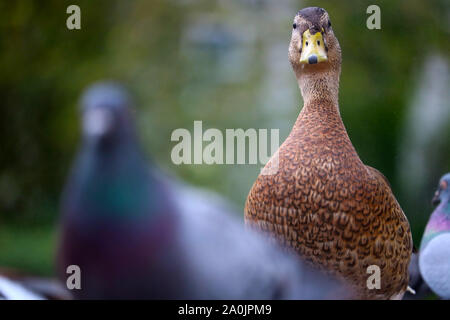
x,y
29,249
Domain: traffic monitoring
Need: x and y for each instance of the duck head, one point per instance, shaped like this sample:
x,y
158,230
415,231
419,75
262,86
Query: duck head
x,y
315,54
442,194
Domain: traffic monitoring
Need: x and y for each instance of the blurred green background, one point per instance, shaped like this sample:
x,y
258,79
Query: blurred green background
x,y
223,62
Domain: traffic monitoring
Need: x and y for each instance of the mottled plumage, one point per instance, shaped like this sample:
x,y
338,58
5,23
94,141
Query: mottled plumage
x,y
434,259
135,233
321,200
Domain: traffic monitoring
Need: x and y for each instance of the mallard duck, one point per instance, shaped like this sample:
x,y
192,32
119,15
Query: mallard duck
x,y
315,195
434,258
136,233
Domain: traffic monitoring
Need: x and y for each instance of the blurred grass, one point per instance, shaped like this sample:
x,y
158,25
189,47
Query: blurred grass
x,y
29,249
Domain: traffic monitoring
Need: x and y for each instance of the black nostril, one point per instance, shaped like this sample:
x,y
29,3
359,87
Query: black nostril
x,y
312,59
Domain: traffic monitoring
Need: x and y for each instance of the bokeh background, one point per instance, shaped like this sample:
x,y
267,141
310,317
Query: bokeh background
x,y
223,62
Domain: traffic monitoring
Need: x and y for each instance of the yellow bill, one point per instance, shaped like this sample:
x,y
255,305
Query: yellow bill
x,y
313,48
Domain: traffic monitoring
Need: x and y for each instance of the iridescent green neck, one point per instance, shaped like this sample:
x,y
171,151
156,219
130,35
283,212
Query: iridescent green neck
x,y
439,223
115,184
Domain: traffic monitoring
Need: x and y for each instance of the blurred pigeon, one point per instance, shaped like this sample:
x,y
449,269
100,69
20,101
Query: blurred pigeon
x,y
136,233
16,286
434,259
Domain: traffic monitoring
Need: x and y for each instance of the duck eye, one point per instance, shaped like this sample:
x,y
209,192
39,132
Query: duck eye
x,y
318,42
294,26
306,42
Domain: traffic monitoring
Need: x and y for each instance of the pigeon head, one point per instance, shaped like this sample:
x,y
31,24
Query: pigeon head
x,y
442,194
105,112
110,175
439,221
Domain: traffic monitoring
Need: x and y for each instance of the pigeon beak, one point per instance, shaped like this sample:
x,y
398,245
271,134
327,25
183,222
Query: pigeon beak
x,y
97,122
436,199
313,48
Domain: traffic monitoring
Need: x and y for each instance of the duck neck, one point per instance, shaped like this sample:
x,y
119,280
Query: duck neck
x,y
319,85
320,120
319,88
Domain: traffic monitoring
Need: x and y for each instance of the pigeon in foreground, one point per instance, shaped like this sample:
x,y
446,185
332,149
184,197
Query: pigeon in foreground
x,y
434,259
135,233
